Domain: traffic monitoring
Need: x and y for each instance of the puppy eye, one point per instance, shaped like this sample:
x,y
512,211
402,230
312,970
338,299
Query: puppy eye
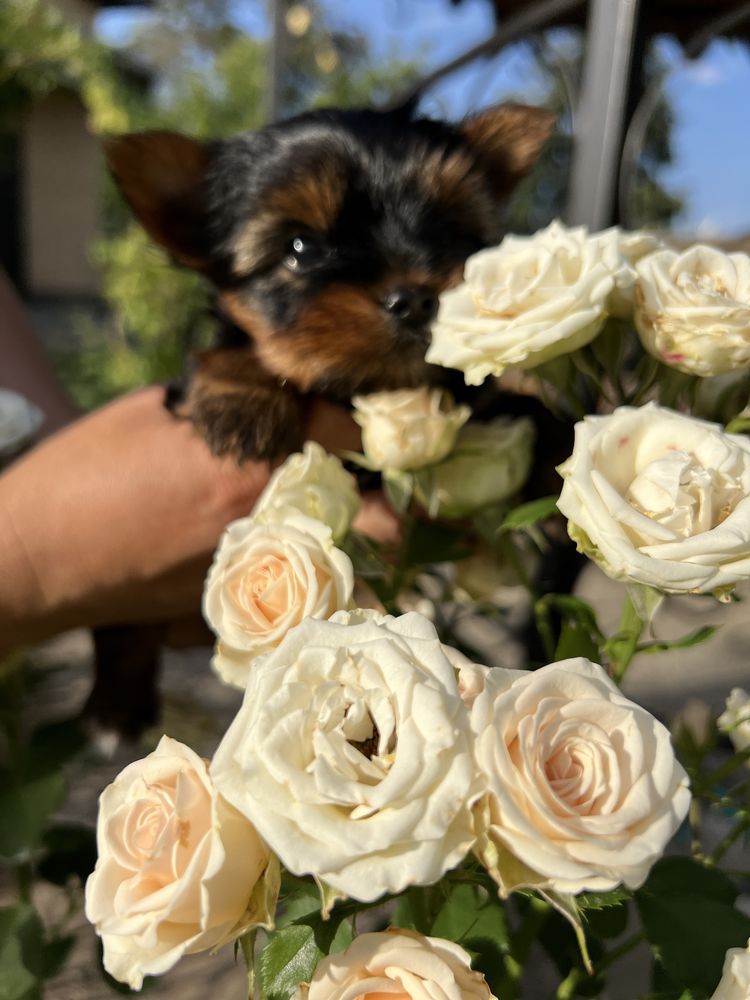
x,y
304,251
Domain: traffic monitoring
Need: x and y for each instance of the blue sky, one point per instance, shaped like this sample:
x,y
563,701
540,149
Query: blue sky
x,y
710,97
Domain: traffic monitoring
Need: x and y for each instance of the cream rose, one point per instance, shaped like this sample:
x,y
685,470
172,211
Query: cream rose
x,y
408,428
735,719
179,870
523,303
352,753
621,251
489,463
316,484
398,964
735,976
267,577
583,788
19,422
660,498
693,309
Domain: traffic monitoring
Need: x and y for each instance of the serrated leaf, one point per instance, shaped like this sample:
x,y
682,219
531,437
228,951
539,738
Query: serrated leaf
x,y
602,900
690,921
288,959
528,514
303,901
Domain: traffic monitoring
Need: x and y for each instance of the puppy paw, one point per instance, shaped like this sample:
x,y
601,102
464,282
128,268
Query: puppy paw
x,y
237,406
258,423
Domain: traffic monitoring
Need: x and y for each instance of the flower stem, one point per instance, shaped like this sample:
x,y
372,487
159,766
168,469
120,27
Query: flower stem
x,y
742,826
247,944
622,647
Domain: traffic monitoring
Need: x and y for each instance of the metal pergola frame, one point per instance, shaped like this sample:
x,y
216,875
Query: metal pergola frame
x,y
610,70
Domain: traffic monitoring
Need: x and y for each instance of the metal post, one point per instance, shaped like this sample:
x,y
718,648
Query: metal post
x,y
600,118
276,60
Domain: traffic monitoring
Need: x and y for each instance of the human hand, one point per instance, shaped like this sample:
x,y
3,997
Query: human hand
x,y
115,518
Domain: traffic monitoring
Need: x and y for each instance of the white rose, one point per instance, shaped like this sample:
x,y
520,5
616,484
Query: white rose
x,y
621,251
316,484
660,498
408,428
264,580
402,965
179,870
489,463
693,309
584,790
523,303
19,422
735,976
735,719
352,753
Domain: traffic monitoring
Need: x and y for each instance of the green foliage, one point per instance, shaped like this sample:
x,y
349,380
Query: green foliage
x,y
27,956
690,921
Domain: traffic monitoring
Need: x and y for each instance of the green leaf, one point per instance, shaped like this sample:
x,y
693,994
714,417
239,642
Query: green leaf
x,y
579,630
689,918
415,910
289,958
364,554
685,642
51,746
434,543
24,811
303,901
70,851
470,913
605,914
740,425
21,947
602,900
528,514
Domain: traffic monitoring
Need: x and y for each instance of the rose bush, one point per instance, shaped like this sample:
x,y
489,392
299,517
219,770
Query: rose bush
x,y
660,498
735,976
523,303
408,428
316,484
265,579
489,463
398,964
179,870
693,309
352,753
583,788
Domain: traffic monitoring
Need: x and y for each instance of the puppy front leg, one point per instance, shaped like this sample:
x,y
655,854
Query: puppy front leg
x,y
238,407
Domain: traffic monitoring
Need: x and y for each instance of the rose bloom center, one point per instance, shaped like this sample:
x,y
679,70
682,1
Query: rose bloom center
x,y
679,493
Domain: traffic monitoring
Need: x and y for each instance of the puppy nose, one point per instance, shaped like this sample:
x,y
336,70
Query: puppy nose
x,y
413,305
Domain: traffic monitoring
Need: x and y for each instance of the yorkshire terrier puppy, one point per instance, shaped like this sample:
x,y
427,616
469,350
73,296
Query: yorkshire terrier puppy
x,y
327,239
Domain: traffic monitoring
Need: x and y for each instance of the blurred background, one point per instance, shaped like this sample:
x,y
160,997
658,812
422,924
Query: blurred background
x,y
651,101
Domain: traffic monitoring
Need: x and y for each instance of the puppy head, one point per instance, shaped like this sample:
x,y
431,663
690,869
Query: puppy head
x,y
330,237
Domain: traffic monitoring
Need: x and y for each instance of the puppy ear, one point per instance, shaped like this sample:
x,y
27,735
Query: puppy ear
x,y
509,137
162,175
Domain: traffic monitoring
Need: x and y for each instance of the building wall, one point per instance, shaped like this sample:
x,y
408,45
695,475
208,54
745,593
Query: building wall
x,y
61,174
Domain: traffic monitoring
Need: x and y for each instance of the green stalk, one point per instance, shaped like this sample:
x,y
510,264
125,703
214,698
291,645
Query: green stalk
x,y
622,647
